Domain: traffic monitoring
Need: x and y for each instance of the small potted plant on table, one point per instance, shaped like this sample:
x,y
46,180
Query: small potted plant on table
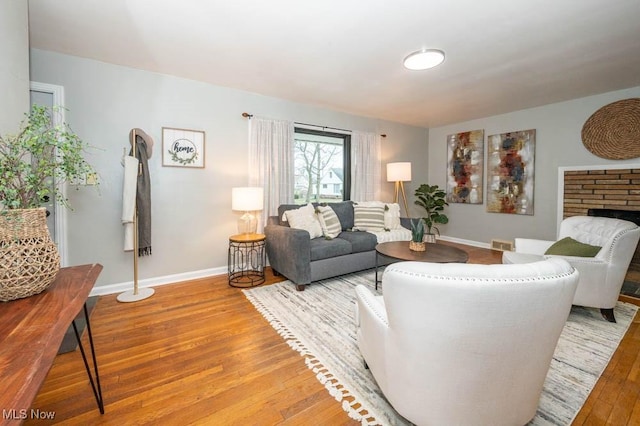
x,y
432,199
417,235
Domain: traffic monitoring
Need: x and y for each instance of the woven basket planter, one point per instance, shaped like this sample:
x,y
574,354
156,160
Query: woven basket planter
x,y
417,246
29,259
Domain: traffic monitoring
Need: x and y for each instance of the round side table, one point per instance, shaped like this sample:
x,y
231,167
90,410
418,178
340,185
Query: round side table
x,y
246,261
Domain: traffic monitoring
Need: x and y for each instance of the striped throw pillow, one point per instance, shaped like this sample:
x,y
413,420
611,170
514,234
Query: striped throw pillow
x,y
368,217
329,222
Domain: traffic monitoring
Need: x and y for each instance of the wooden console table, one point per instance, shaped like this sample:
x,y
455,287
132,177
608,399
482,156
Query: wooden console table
x,y
31,330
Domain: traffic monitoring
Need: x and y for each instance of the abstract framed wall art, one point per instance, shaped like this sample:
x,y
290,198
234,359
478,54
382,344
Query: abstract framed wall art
x,y
465,164
510,172
182,147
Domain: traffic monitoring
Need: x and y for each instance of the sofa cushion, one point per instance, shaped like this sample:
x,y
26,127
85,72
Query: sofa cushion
x,y
329,222
570,247
360,241
324,249
344,211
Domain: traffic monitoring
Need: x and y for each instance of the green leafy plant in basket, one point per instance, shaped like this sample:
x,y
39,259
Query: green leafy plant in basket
x,y
432,199
34,163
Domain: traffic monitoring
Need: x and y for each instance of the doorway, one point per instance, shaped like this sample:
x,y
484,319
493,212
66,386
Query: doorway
x,y
50,96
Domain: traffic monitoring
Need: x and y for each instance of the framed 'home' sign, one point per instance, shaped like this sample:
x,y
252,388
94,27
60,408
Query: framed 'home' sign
x,y
182,147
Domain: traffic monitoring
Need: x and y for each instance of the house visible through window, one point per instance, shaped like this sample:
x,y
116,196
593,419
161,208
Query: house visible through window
x,y
322,166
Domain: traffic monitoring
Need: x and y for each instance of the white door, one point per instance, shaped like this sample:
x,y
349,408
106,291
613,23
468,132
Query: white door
x,y
49,95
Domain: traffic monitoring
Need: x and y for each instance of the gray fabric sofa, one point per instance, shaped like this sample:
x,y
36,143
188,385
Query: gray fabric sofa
x,y
302,260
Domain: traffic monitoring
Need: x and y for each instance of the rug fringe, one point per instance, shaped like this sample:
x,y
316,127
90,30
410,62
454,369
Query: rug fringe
x,y
353,408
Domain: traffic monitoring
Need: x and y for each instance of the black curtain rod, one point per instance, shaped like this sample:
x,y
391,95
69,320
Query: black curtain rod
x,y
322,127
249,116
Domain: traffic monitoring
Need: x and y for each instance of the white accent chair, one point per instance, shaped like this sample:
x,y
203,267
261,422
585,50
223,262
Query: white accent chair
x,y
602,276
464,344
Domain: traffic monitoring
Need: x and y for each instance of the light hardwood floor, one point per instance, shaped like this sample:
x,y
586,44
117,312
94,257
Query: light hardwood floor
x,y
199,353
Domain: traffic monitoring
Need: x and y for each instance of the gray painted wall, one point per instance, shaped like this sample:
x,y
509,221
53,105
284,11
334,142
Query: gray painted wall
x,y
558,144
14,64
191,208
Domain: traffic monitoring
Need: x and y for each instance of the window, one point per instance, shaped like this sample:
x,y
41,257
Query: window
x,y
322,166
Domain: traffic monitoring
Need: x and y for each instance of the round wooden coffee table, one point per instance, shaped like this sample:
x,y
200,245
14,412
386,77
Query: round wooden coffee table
x,y
435,253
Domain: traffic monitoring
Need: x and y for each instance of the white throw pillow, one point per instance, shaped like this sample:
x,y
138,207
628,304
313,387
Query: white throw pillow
x,y
392,216
368,217
329,222
305,218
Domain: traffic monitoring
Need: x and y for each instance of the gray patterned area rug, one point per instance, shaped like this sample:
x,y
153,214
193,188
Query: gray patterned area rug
x,y
319,324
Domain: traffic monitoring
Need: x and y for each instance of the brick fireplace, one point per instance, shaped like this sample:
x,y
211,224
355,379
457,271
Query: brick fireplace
x,y
603,188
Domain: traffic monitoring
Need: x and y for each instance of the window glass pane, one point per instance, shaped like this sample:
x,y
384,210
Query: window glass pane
x,y
319,167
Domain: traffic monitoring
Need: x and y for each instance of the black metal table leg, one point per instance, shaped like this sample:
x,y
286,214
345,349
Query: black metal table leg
x,y
97,389
377,254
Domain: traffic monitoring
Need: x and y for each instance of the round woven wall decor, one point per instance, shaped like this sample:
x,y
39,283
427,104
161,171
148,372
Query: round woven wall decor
x,y
613,131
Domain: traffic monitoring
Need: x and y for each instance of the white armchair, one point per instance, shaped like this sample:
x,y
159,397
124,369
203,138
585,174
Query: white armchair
x,y
464,344
602,276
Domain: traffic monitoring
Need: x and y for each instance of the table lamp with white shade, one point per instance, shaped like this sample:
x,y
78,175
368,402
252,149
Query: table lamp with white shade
x,y
247,199
399,173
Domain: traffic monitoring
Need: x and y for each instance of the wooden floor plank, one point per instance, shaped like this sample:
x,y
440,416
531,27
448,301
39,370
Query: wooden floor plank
x,y
198,352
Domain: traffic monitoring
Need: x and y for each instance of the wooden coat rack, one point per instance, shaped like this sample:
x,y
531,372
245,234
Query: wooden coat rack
x,y
137,293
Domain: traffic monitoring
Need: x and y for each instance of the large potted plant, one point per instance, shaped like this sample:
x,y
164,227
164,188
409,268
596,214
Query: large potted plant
x,y
34,163
432,199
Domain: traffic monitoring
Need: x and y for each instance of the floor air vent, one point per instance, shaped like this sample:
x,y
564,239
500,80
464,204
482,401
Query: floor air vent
x,y
501,245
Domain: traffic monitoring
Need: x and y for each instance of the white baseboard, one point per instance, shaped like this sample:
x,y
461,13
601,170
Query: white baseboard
x,y
157,281
466,242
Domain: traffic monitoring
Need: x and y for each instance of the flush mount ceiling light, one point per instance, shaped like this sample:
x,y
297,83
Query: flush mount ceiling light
x,y
424,59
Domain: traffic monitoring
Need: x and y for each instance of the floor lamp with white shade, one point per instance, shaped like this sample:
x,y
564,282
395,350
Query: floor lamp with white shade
x,y
399,173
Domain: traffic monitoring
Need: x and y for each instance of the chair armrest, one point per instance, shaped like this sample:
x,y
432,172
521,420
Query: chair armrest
x,y
289,252
596,288
371,332
578,260
368,305
532,246
589,268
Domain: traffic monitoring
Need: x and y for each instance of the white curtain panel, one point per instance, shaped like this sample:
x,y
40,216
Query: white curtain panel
x,y
271,162
365,166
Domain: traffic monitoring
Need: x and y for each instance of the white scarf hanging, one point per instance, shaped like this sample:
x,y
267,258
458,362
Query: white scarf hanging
x,y
129,199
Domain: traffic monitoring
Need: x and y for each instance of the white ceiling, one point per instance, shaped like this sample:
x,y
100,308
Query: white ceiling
x,y
346,55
